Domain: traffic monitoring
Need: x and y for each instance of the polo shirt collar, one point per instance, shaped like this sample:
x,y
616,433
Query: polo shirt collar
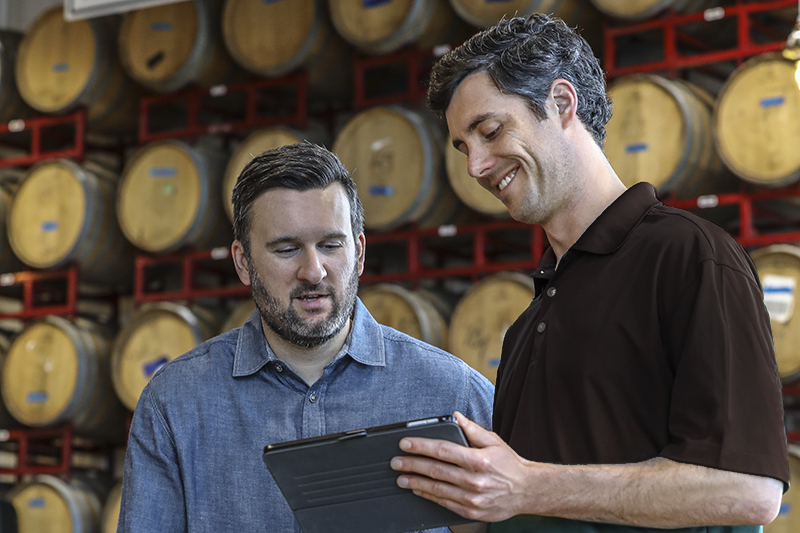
x,y
615,223
253,352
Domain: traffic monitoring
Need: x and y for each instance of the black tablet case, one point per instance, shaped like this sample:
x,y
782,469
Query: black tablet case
x,y
343,483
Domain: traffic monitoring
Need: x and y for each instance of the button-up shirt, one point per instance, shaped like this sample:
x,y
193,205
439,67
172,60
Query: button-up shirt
x,y
194,458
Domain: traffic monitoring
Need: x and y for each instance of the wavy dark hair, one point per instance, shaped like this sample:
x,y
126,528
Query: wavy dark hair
x,y
300,167
523,56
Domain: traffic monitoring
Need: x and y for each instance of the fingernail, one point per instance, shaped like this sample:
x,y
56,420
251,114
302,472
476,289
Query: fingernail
x,y
405,445
402,482
396,463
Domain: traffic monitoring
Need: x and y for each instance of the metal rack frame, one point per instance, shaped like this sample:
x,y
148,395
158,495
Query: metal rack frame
x,y
673,60
26,440
29,280
35,125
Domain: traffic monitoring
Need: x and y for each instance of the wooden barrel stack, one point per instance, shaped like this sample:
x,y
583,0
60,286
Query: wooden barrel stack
x,y
641,9
48,504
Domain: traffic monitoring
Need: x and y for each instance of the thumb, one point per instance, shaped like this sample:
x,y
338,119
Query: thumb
x,y
476,435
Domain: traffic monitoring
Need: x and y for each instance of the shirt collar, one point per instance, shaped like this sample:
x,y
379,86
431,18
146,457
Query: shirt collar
x,y
253,352
615,223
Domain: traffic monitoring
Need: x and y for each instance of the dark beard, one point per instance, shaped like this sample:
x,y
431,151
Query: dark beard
x,y
288,324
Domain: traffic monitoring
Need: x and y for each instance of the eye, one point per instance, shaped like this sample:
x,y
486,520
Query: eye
x,y
331,246
492,134
286,250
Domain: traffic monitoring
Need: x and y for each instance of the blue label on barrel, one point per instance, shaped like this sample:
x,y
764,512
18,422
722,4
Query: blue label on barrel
x,y
162,172
636,148
150,368
496,1
381,190
61,67
36,396
778,289
785,508
36,503
271,1
161,26
374,3
49,225
494,362
774,101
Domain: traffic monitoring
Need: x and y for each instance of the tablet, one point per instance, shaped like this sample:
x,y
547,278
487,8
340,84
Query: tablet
x,y
342,482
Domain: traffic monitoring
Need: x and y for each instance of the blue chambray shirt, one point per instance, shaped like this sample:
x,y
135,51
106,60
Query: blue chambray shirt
x,y
194,452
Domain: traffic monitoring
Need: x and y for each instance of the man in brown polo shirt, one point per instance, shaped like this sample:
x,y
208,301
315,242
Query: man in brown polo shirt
x,y
639,389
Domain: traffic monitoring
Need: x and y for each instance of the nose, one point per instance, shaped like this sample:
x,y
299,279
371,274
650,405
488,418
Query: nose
x,y
479,162
311,270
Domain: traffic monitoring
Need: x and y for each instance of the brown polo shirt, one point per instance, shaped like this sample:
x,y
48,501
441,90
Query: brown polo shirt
x,y
650,339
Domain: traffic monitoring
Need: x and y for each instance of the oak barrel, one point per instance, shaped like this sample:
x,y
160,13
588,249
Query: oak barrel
x,y
58,370
483,13
111,508
47,504
395,159
381,26
167,47
642,9
155,335
482,317
661,133
168,197
239,315
62,65
406,311
755,121
779,271
64,213
261,141
467,188
6,420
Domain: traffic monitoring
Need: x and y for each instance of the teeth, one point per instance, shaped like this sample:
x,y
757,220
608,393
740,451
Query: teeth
x,y
507,180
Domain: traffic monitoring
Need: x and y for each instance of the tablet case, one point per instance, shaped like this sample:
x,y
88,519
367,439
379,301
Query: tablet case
x,y
342,483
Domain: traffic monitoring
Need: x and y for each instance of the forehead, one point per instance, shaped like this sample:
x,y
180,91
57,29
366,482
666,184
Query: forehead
x,y
284,212
477,98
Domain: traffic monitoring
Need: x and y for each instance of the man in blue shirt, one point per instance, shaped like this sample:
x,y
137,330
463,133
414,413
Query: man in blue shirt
x,y
310,361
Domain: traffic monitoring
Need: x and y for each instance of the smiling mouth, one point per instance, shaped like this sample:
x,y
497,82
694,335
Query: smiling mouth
x,y
310,297
503,184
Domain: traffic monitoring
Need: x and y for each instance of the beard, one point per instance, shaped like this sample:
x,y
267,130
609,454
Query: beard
x,y
290,326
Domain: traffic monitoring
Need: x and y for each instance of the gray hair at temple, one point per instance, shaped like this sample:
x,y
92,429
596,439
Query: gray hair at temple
x,y
300,167
523,56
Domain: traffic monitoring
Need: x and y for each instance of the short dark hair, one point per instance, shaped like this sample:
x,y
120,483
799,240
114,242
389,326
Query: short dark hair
x,y
300,167
523,56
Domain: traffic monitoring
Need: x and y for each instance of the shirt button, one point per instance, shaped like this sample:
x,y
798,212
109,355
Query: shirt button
x,y
551,292
279,368
540,328
313,398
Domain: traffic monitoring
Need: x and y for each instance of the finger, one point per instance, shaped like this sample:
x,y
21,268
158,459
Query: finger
x,y
442,450
431,469
476,435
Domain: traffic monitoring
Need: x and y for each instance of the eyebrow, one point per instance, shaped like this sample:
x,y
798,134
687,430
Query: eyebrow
x,y
474,124
291,238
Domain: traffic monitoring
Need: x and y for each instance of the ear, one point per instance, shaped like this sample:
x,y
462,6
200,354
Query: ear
x,y
240,262
564,101
361,246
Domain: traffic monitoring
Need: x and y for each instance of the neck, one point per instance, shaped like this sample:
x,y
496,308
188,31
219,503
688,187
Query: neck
x,y
308,363
597,186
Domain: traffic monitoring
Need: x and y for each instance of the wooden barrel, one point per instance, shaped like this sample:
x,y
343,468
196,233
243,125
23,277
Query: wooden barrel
x,y
111,508
483,13
167,47
788,519
64,213
239,315
168,197
273,38
156,334
661,133
6,420
406,311
48,504
11,104
62,65
779,270
381,26
260,141
57,370
9,262
755,121
642,9
395,159
467,188
483,316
